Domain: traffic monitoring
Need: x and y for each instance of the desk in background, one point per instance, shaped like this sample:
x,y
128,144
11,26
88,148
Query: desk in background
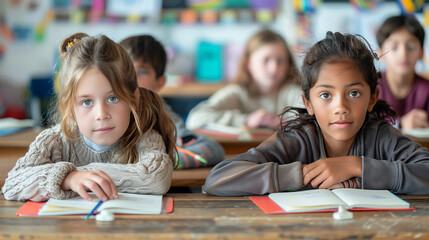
x,y
423,141
199,216
184,97
230,142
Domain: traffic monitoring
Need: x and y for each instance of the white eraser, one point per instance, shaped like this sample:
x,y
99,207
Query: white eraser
x,y
342,214
105,216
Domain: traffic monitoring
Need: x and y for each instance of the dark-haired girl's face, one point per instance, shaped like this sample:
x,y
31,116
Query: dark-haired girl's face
x,y
340,100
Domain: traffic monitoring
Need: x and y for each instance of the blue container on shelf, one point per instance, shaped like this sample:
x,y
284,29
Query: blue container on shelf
x,y
209,62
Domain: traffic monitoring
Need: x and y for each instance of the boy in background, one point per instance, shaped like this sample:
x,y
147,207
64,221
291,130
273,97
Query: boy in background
x,y
150,59
401,39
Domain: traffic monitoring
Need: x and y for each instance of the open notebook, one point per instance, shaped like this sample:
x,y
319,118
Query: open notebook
x,y
126,204
323,200
417,132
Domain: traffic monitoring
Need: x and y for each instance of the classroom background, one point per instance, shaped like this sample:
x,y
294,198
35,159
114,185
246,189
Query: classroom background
x,y
204,39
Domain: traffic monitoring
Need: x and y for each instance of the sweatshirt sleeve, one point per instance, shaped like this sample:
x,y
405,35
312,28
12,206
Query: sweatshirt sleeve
x,y
274,166
39,174
399,165
224,107
150,175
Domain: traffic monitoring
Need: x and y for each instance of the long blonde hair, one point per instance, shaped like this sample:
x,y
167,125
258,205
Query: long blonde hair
x,y
80,53
262,38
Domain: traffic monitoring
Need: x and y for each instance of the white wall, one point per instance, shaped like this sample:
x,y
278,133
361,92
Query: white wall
x,y
26,59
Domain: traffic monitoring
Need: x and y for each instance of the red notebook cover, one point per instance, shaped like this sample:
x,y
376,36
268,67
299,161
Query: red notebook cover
x,y
31,208
268,206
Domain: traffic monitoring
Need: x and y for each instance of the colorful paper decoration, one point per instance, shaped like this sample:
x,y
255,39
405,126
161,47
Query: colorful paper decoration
x,y
39,32
201,5
188,17
228,17
305,5
96,11
5,31
2,51
264,4
236,3
209,17
169,17
410,6
264,16
365,5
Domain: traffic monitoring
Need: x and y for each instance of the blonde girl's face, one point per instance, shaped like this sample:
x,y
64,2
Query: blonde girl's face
x,y
101,116
268,65
340,100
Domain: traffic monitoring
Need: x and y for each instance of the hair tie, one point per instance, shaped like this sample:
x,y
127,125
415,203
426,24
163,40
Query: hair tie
x,y
70,44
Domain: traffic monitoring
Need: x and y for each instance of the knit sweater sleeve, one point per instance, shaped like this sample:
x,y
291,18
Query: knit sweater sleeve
x,y
150,175
226,107
39,174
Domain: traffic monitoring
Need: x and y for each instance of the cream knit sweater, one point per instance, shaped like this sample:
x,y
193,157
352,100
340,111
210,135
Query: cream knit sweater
x,y
39,174
231,105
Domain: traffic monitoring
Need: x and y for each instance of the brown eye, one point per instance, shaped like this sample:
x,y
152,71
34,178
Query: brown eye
x,y
325,96
354,94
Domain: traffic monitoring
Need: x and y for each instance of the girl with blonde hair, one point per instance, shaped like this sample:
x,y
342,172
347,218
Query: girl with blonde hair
x,y
110,136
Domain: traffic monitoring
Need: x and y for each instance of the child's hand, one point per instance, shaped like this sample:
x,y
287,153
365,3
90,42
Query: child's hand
x,y
415,118
262,118
327,172
351,183
96,181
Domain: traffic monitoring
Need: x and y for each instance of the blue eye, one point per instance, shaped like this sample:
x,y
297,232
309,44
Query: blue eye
x,y
86,103
113,99
325,96
141,72
411,48
354,94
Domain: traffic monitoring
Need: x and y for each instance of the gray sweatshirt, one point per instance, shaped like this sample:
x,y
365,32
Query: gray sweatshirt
x,y
389,161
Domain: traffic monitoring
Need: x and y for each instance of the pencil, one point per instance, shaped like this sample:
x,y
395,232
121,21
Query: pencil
x,y
93,210
192,154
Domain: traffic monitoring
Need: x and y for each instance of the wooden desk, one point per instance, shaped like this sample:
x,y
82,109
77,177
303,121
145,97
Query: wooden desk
x,y
190,177
423,141
14,146
199,216
233,146
230,143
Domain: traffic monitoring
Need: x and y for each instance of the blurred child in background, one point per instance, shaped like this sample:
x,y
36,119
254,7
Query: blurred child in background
x,y
401,39
263,86
150,60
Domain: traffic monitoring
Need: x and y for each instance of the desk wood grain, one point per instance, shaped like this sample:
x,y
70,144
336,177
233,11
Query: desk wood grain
x,y
423,141
199,216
